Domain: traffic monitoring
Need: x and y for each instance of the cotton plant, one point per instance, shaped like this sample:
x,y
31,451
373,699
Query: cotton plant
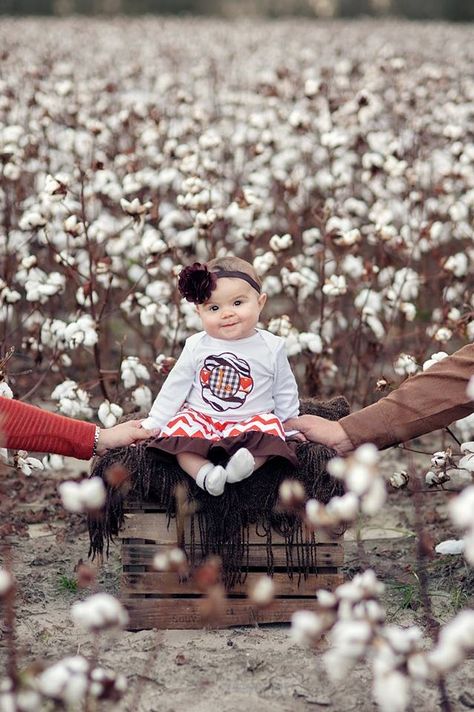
x,y
132,371
99,612
85,496
365,491
353,622
68,684
446,466
461,511
73,400
233,169
26,463
272,177
109,413
171,560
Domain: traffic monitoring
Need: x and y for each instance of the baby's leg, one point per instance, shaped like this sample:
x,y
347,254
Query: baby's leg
x,y
259,461
211,478
242,464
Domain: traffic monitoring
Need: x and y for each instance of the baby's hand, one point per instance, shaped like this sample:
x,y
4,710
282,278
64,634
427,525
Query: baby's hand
x,y
300,436
295,435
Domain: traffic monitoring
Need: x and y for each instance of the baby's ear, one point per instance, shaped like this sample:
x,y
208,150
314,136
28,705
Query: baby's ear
x,y
262,299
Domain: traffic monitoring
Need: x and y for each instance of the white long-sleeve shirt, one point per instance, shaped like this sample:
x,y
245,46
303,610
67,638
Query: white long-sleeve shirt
x,y
228,380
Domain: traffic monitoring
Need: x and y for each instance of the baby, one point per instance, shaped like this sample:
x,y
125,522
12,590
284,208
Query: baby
x,y
232,387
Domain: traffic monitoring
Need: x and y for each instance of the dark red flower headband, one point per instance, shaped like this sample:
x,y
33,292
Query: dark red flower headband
x,y
196,282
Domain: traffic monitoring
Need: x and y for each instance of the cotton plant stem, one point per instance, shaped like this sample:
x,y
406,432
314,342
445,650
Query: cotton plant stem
x,y
10,622
361,552
431,623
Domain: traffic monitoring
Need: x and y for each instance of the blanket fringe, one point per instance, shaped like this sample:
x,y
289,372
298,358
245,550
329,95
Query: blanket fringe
x,y
221,525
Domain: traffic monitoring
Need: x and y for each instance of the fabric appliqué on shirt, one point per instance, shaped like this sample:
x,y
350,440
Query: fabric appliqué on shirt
x,y
226,381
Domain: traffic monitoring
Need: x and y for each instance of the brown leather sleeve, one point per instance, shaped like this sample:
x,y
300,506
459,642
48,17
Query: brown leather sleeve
x,y
25,427
426,402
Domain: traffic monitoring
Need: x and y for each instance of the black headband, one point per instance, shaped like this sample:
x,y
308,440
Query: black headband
x,y
196,282
238,275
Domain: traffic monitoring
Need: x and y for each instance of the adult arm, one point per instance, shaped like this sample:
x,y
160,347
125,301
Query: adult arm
x,y
428,401
174,390
26,427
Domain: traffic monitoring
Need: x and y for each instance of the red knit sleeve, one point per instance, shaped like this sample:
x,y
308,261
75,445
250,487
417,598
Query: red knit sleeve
x,y
25,427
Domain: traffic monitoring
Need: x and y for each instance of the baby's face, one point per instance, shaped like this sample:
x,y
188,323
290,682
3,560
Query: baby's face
x,y
233,309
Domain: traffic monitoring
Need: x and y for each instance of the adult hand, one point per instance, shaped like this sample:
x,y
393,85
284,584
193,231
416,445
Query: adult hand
x,y
123,434
320,430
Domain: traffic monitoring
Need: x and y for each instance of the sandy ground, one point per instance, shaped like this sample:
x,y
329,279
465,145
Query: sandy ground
x,y
253,668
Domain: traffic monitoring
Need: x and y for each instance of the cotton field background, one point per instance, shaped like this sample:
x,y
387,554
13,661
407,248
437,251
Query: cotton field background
x,y
339,159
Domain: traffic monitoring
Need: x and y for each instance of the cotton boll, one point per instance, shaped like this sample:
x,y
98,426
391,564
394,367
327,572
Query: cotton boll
x,y
131,370
461,508
405,365
337,467
439,459
99,612
306,627
350,638
375,498
399,479
469,547
450,546
311,342
367,454
27,463
435,358
161,562
314,511
335,285
280,243
263,592
291,493
344,508
262,263
311,236
326,599
142,397
391,691
6,582
93,493
53,462
109,413
444,658
470,388
5,390
442,334
69,496
87,495
65,681
418,667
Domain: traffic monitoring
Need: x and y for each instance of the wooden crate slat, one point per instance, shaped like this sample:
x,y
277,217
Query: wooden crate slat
x,y
153,526
136,506
169,583
184,613
324,554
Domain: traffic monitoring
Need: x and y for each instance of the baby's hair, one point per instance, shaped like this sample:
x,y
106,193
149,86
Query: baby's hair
x,y
233,264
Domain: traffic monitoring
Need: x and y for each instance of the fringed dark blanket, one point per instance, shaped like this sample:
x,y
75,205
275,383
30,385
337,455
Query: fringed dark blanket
x,y
220,525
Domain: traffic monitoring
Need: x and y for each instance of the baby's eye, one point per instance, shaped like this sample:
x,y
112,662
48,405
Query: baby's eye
x,y
237,302
213,307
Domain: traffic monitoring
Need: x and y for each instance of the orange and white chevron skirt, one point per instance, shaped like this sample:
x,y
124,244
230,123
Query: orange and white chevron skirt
x,y
189,423
191,431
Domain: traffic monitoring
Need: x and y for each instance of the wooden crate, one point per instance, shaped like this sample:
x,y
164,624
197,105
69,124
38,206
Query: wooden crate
x,y
161,600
